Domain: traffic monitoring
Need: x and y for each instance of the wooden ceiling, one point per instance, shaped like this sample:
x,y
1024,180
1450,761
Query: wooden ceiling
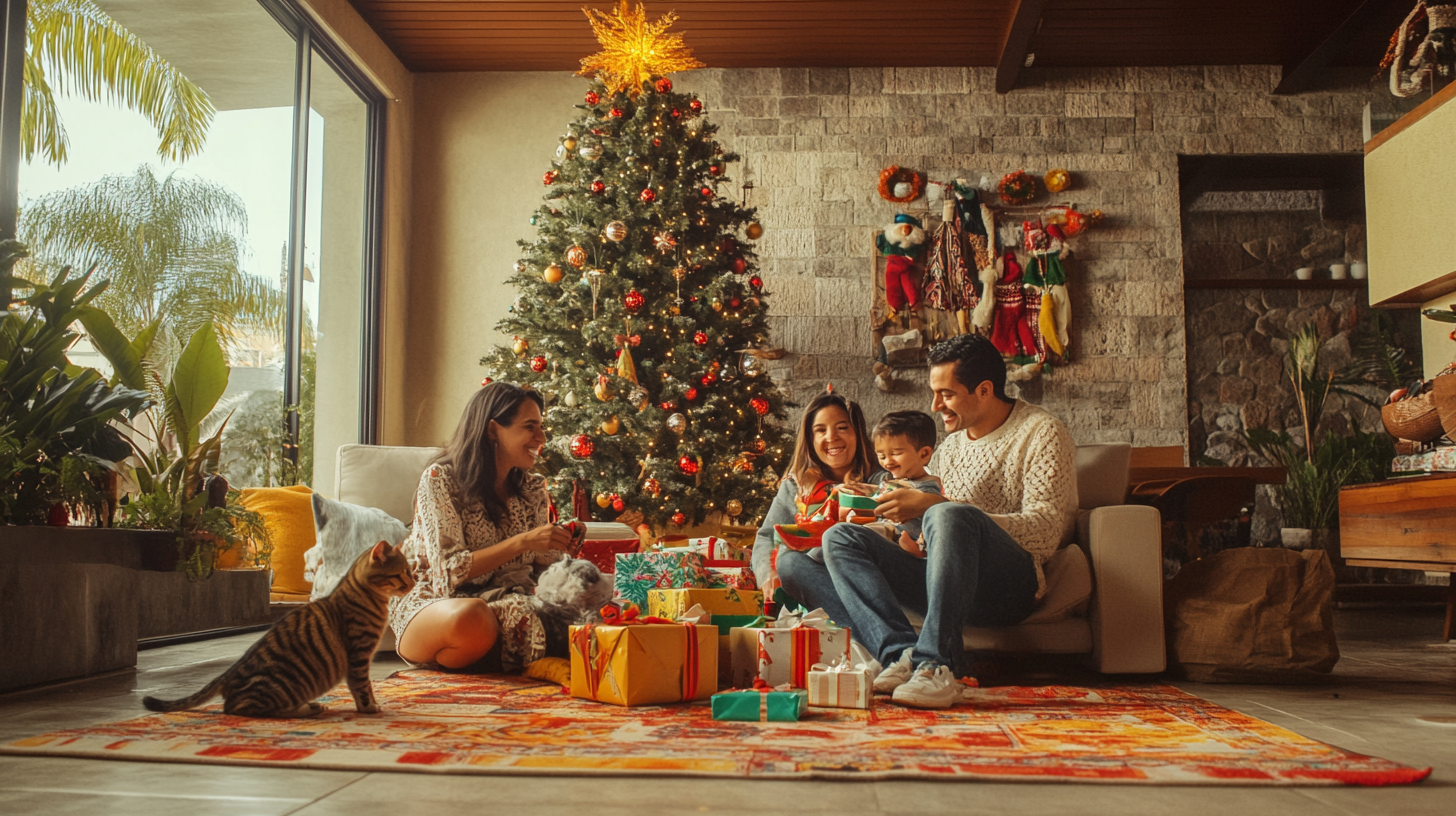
x,y
553,35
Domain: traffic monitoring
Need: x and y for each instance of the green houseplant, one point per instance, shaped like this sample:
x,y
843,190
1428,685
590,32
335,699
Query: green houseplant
x,y
178,485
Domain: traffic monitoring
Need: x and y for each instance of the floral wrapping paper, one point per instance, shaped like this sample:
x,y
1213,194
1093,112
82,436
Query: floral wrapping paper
x,y
672,603
740,578
636,573
1432,461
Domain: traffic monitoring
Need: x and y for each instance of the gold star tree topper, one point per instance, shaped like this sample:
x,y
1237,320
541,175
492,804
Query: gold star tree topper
x,y
634,50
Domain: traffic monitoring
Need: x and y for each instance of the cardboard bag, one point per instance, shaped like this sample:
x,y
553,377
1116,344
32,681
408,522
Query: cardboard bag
x,y
1253,615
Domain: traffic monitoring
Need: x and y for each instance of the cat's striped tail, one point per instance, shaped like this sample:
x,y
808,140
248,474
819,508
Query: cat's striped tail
x,y
208,692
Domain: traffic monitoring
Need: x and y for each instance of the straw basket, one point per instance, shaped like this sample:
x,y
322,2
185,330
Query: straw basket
x,y
1414,418
1443,388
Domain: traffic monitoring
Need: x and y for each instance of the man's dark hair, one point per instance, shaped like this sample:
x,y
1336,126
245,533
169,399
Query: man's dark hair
x,y
917,426
976,361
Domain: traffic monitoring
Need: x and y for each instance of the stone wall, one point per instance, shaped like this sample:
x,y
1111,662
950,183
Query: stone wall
x,y
816,139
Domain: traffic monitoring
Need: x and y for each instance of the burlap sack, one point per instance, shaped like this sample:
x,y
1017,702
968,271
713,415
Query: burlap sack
x,y
1253,615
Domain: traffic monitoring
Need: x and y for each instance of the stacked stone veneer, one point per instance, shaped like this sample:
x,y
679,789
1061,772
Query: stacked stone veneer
x,y
816,139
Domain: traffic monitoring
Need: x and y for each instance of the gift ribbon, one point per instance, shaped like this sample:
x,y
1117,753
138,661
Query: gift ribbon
x,y
805,653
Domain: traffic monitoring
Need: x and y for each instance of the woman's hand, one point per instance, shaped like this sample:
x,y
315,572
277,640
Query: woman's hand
x,y
906,503
545,538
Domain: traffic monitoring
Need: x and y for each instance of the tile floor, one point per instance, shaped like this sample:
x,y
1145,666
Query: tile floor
x,y
1393,672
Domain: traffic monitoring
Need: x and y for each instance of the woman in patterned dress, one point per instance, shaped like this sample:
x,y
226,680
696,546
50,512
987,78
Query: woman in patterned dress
x,y
480,539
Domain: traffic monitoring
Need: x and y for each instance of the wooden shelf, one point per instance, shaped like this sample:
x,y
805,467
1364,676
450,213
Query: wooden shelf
x,y
1272,283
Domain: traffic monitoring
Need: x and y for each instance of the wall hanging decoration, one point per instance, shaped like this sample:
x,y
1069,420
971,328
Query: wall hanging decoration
x,y
901,185
1017,188
1057,180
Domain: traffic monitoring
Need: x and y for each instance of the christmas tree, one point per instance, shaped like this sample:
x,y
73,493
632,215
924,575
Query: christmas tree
x,y
640,316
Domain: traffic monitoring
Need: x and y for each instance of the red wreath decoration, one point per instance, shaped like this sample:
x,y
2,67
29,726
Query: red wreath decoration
x,y
894,175
1017,188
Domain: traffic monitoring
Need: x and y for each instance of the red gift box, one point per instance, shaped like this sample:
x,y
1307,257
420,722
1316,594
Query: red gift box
x,y
604,553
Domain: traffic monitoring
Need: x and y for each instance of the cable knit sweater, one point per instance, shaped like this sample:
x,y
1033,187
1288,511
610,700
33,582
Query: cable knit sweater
x,y
1022,475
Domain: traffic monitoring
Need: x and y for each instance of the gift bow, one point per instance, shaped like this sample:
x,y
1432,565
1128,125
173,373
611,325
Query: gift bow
x,y
840,664
799,619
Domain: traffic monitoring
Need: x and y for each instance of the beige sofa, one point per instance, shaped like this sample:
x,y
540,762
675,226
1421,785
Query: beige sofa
x,y
1104,593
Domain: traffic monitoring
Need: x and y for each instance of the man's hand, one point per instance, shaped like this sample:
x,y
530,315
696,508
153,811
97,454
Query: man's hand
x,y
906,503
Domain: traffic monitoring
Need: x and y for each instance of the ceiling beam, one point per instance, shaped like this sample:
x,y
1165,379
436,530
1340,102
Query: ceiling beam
x,y
1025,18
1299,76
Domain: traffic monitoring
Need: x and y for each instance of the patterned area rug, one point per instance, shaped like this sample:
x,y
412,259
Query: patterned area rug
x,y
454,723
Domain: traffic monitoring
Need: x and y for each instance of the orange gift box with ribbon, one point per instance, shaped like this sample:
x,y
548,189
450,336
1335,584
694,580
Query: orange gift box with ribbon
x,y
632,661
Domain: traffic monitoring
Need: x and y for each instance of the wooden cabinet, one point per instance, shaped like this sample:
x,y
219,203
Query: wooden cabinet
x,y
1407,523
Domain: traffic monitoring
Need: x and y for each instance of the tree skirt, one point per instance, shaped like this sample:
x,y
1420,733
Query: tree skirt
x,y
455,723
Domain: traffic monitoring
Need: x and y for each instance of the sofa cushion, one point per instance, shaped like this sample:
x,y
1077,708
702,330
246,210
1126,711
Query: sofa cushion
x,y
1069,587
344,531
1102,474
288,515
383,476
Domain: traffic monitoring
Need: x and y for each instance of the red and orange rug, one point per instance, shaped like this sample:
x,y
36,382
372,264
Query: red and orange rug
x,y
452,723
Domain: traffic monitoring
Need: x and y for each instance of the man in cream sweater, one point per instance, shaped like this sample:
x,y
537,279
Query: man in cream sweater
x,y
1010,501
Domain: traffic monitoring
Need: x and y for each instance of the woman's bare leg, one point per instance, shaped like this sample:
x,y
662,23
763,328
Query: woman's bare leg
x,y
453,633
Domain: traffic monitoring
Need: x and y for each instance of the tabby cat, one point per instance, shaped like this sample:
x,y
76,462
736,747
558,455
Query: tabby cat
x,y
311,650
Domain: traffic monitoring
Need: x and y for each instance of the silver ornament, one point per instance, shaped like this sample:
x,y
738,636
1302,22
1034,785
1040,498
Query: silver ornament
x,y
615,230
570,399
560,152
751,366
637,397
590,152
677,423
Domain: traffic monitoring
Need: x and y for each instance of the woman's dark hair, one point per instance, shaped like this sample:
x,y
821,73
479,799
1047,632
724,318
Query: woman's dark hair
x,y
806,467
470,453
976,361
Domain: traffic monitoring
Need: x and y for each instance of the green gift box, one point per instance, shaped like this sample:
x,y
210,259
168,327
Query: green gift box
x,y
760,706
853,502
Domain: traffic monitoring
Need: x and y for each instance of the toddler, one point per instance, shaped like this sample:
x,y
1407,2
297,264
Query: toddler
x,y
904,442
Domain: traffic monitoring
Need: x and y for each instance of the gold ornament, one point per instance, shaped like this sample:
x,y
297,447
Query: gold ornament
x,y
519,345
734,507
615,231
717,305
626,368
552,274
754,231
603,500
603,389
611,425
634,50
576,256
569,143
1057,180
674,309
678,273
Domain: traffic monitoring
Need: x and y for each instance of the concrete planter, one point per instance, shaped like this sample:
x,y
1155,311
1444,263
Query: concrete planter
x,y
74,601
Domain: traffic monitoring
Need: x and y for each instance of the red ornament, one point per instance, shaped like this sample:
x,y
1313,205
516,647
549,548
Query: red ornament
x,y
739,265
695,106
715,169
549,177
657,143
756,282
669,405
709,379
663,85
734,303
582,446
538,364
635,340
486,381
598,187
647,195
760,405
727,245
707,192
758,445
690,394
617,504
676,114
616,113
652,486
679,519
688,465
633,300
592,98
701,338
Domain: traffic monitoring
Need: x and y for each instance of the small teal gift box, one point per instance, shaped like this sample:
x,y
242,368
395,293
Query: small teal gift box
x,y
760,706
854,502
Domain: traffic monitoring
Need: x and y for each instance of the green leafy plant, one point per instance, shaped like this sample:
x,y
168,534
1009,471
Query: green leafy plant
x,y
51,410
178,486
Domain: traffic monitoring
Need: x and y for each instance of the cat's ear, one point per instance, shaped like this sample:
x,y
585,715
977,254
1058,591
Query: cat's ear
x,y
381,551
320,511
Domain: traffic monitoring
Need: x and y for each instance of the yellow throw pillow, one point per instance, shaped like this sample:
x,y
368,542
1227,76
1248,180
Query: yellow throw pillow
x,y
288,514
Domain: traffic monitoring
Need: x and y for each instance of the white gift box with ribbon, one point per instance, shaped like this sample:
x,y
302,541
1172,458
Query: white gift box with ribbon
x,y
796,641
840,685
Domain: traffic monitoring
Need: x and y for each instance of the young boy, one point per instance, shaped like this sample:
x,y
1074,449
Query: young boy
x,y
904,442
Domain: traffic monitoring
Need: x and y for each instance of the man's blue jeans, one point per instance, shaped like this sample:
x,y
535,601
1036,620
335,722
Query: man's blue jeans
x,y
974,573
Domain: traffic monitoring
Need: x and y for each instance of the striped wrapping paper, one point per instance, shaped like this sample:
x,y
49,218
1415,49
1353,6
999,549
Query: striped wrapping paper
x,y
839,686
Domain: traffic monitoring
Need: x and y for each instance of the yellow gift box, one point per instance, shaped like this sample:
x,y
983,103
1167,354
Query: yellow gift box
x,y
672,603
644,664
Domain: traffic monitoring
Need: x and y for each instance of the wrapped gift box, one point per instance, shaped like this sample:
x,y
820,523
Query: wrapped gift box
x,y
760,706
604,553
636,573
743,652
740,577
644,664
672,603
791,646
840,686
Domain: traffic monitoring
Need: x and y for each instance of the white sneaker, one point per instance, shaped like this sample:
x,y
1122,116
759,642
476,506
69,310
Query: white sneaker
x,y
930,687
896,674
